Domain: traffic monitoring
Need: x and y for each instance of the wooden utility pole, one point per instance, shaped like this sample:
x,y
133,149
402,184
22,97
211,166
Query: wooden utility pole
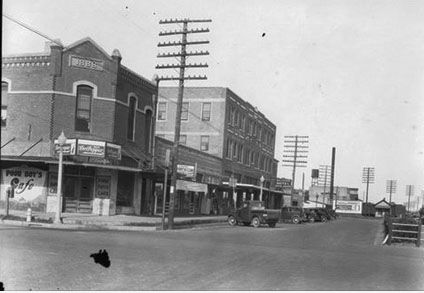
x,y
333,165
295,146
324,178
368,178
183,54
409,192
390,188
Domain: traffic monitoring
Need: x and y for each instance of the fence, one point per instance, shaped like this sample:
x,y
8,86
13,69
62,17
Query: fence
x,y
403,230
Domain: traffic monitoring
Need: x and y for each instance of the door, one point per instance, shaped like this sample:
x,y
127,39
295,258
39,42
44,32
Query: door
x,y
77,194
85,195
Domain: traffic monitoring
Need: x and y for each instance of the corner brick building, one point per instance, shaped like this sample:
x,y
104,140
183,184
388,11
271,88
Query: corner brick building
x,y
106,112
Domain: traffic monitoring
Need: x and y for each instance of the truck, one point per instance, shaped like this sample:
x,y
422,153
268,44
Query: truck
x,y
253,212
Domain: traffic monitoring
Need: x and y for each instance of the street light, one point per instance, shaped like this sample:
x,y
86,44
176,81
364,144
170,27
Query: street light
x,y
61,140
262,186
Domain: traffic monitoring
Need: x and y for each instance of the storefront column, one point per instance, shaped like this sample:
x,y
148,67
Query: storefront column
x,y
137,193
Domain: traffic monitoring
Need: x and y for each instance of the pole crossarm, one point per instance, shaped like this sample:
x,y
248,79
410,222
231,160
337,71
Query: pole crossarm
x,y
168,44
167,66
182,20
176,32
181,54
184,78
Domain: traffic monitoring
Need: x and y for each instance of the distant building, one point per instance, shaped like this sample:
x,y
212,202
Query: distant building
x,y
216,121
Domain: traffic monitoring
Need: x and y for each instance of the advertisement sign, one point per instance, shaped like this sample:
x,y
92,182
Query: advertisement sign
x,y
348,207
191,186
103,186
91,148
68,147
186,170
29,183
113,151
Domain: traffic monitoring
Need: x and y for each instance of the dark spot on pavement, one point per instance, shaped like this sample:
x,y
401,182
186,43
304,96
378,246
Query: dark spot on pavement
x,y
101,258
126,7
263,35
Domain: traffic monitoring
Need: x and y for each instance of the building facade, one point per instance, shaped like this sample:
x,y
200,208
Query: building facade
x,y
216,121
106,112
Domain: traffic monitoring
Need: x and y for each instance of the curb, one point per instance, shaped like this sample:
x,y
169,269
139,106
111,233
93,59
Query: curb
x,y
94,227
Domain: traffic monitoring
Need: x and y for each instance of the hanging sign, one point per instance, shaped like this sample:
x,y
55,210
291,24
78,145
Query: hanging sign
x,y
113,151
186,171
91,148
68,148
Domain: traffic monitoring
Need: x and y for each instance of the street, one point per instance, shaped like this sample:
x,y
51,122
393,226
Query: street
x,y
339,255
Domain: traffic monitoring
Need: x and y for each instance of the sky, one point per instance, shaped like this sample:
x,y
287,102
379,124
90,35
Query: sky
x,y
348,74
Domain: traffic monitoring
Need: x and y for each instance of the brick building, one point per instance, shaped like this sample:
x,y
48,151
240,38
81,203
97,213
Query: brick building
x,y
104,109
216,121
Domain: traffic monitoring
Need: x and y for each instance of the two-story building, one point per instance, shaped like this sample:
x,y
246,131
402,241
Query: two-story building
x,y
216,121
104,109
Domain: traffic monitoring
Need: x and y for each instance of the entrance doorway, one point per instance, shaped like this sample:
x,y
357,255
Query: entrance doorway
x,y
78,194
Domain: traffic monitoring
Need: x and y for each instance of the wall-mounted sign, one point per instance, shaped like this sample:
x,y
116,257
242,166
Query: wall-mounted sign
x,y
29,183
86,63
113,151
188,171
68,147
103,186
191,186
91,148
348,207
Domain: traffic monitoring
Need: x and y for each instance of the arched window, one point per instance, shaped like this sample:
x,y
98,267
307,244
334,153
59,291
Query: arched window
x,y
147,130
83,108
131,118
4,93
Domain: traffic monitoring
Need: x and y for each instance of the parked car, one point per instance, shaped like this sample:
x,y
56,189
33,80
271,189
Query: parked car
x,y
332,213
293,215
315,215
254,212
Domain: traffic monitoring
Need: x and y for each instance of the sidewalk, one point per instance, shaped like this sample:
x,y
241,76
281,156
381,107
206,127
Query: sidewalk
x,y
117,222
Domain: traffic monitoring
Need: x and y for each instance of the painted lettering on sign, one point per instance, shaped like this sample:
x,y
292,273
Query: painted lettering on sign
x,y
91,148
103,186
28,183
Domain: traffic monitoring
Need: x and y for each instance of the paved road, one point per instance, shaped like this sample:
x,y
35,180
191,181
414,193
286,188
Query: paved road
x,y
339,255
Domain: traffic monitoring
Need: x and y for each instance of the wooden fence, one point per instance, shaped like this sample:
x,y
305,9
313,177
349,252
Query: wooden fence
x,y
403,230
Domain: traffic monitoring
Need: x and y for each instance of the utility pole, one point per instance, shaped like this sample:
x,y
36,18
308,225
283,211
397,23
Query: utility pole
x,y
333,165
409,192
324,176
295,146
183,54
368,178
390,188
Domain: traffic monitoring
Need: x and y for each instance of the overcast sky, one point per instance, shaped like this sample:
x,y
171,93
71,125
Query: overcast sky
x,y
349,74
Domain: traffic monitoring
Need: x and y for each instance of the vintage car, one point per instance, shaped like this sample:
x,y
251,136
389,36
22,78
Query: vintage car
x,y
293,215
254,212
315,215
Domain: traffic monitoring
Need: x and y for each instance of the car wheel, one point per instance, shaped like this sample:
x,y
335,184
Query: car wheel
x,y
232,221
246,223
255,222
295,220
272,224
323,219
311,220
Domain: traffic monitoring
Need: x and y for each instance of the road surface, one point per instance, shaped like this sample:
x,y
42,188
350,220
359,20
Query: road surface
x,y
339,255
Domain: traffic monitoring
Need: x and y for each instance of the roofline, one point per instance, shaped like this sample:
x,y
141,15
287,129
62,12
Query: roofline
x,y
87,39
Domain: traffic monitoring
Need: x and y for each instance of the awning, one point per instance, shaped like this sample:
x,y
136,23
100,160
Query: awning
x,y
255,187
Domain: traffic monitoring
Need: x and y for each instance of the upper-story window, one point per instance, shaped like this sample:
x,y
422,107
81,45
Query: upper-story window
x,y
4,97
228,151
204,142
206,111
162,111
183,139
184,111
83,108
131,118
148,131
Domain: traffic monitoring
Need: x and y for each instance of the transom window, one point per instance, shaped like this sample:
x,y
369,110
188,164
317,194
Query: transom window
x,y
83,108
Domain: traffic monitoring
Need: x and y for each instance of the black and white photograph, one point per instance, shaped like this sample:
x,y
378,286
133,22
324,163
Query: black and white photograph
x,y
212,145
